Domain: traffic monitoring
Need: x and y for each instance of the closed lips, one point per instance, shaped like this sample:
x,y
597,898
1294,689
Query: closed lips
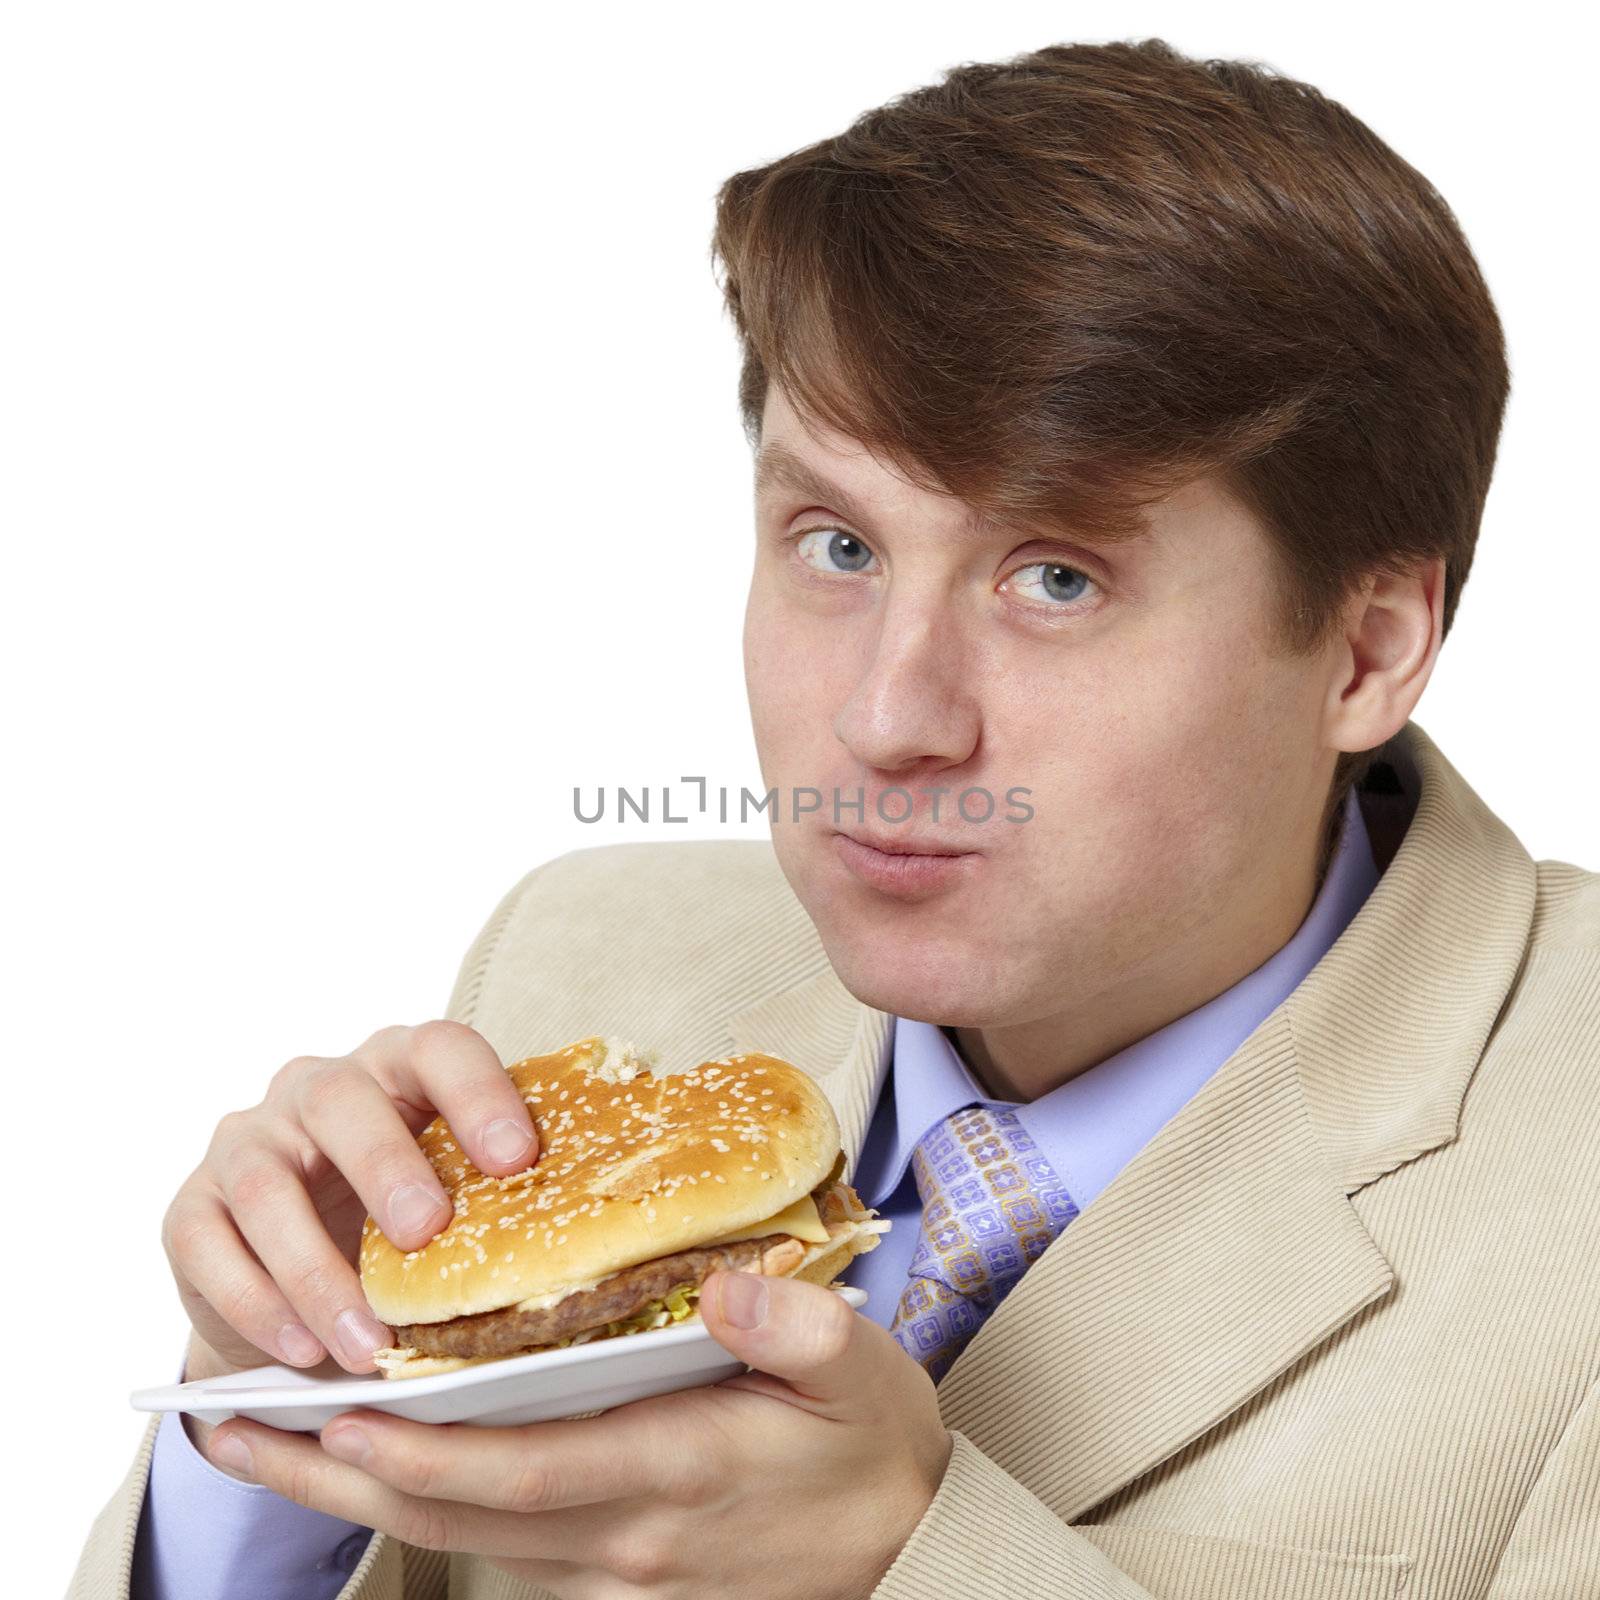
x,y
907,847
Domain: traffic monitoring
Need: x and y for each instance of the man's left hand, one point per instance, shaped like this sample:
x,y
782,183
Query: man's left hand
x,y
801,1478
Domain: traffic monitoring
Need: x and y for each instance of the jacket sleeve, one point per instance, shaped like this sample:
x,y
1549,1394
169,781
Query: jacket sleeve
x,y
389,1569
985,1536
1554,1548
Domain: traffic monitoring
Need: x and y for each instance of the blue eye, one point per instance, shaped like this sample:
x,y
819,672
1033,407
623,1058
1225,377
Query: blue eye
x,y
1058,581
820,547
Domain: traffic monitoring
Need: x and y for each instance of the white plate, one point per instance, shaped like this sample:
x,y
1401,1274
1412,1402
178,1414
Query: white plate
x,y
540,1387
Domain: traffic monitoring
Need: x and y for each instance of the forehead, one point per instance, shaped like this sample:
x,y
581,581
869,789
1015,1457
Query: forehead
x,y
805,457
793,447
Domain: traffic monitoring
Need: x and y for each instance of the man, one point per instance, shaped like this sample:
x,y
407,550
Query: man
x,y
1236,1105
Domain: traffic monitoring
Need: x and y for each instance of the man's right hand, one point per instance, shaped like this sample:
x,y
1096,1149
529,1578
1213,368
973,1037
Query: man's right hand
x,y
293,1179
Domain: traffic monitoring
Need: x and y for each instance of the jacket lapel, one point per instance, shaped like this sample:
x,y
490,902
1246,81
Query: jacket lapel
x,y
1219,1256
1228,1248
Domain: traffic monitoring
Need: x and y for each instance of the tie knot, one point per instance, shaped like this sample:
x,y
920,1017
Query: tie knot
x,y
978,1153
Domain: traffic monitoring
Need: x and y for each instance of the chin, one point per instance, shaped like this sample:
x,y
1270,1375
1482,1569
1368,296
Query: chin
x,y
947,983
927,962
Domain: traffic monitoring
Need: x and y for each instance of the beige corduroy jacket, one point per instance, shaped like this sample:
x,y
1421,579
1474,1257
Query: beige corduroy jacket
x,y
1333,1334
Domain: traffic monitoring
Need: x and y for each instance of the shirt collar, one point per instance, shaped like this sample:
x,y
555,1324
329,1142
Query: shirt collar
x,y
1091,1126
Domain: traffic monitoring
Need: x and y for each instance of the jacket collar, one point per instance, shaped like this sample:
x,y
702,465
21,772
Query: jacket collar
x,y
1228,1248
1390,1024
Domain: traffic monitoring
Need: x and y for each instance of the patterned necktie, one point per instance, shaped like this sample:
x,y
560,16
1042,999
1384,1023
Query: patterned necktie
x,y
991,1202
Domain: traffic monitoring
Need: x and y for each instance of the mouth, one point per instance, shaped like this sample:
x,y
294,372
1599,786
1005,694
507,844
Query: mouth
x,y
904,869
905,845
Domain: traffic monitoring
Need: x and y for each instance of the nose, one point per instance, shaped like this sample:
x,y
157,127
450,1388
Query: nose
x,y
913,703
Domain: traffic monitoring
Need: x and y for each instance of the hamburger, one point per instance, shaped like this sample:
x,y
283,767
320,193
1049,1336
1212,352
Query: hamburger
x,y
646,1181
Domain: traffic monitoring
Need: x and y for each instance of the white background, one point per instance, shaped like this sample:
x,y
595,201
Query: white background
x,y
372,475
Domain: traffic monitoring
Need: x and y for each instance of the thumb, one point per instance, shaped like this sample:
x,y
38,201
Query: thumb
x,y
801,1332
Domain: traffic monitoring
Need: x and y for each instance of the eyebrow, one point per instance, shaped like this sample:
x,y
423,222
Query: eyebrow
x,y
777,464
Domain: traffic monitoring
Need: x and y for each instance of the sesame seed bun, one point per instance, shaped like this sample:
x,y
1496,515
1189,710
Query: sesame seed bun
x,y
633,1164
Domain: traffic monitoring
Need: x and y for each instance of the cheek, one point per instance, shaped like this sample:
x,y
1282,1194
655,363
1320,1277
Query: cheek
x,y
763,650
787,685
1138,759
1205,695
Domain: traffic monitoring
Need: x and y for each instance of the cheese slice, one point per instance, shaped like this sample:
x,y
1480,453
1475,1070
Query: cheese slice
x,y
800,1219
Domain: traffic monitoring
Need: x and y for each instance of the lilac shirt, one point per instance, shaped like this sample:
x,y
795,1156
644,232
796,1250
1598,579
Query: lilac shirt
x,y
205,1536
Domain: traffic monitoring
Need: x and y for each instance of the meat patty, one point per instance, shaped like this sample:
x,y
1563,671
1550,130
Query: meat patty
x,y
499,1333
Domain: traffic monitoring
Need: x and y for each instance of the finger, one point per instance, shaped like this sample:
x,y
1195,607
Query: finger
x,y
272,1210
453,1068
230,1298
534,1468
350,1118
295,1466
805,1334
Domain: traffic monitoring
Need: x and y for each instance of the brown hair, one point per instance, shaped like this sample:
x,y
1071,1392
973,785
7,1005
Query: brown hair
x,y
1061,285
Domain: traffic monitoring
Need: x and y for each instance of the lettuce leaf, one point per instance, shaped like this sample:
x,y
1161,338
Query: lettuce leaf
x,y
674,1306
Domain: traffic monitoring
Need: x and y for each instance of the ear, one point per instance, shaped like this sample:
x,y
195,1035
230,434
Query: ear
x,y
1392,633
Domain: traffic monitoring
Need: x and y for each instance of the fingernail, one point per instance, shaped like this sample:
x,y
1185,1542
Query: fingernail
x,y
504,1141
229,1450
349,1444
359,1334
742,1299
299,1346
413,1207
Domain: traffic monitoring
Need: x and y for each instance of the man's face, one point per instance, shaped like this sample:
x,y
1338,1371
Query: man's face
x,y
1169,746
